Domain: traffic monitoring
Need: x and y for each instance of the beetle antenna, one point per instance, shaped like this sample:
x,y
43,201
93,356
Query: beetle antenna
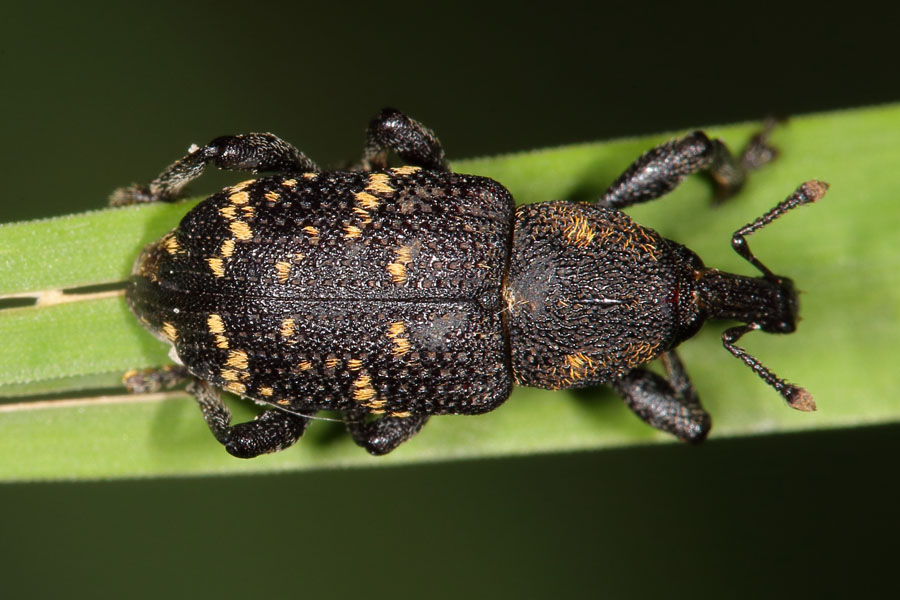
x,y
808,192
796,397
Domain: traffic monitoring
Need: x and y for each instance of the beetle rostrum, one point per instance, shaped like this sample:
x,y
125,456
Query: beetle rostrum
x,y
392,294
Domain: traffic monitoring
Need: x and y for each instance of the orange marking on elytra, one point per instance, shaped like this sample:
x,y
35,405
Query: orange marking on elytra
x,y
367,200
239,198
378,183
406,170
241,230
170,331
215,324
395,334
236,387
215,264
227,248
284,271
237,359
397,269
287,328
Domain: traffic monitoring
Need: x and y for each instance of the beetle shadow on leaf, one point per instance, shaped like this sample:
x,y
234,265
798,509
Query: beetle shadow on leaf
x,y
324,433
598,402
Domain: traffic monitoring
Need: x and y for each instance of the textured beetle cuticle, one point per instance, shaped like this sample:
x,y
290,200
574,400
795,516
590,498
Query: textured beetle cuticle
x,y
414,291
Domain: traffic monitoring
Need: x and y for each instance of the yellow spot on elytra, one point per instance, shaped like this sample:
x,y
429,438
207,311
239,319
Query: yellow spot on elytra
x,y
404,254
401,414
397,328
401,347
236,387
364,390
579,232
398,272
305,365
171,244
289,182
284,402
229,212
397,269
227,248
378,183
310,175
377,411
267,391
215,264
237,359
284,271
287,328
241,230
395,333
367,200
352,231
221,342
242,185
363,214
215,324
406,170
229,374
311,231
354,364
239,198
332,363
169,331
249,212
272,196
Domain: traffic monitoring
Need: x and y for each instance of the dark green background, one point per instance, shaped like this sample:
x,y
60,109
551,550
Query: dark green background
x,y
95,97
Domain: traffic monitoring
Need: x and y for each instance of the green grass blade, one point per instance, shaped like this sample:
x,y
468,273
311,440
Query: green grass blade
x,y
80,250
843,253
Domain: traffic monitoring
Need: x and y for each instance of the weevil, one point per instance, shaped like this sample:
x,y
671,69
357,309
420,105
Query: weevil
x,y
389,295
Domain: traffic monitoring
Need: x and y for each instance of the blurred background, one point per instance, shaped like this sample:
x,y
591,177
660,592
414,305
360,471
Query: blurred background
x,y
94,97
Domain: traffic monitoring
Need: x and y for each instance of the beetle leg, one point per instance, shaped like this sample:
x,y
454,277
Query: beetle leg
x,y
384,434
669,405
253,152
392,130
271,431
149,381
660,170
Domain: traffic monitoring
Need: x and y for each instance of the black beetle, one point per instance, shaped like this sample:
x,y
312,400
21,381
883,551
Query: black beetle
x,y
415,291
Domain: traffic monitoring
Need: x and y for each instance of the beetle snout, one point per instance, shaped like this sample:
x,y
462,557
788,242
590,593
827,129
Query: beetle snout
x,y
782,308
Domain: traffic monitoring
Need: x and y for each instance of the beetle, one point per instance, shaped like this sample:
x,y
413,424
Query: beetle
x,y
390,295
